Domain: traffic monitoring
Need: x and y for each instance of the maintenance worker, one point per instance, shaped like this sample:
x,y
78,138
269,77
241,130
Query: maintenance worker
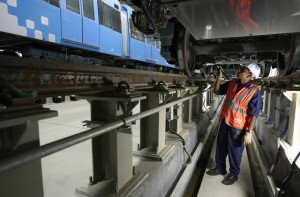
x,y
238,117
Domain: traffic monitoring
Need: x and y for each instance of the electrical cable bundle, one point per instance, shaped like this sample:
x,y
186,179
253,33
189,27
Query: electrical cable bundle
x,y
182,141
142,20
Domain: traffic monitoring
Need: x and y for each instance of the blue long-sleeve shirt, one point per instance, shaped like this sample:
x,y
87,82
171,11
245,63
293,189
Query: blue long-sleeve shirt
x,y
254,103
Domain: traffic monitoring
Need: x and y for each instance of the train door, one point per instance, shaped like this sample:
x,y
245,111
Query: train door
x,y
89,23
79,23
125,32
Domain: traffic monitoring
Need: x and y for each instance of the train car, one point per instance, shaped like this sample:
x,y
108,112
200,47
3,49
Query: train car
x,y
76,28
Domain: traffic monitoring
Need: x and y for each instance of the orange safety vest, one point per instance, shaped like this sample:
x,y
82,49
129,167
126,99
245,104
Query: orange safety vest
x,y
235,109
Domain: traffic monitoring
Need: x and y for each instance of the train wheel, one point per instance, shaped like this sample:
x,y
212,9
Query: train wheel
x,y
289,61
184,52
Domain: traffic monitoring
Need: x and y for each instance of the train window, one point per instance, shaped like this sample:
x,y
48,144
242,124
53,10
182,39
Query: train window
x,y
116,18
109,17
73,5
104,14
135,33
88,9
53,2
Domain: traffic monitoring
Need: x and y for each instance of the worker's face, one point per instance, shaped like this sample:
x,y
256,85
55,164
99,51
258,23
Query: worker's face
x,y
243,73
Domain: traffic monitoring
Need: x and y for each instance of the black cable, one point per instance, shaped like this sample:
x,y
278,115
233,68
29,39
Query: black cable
x,y
182,141
144,8
276,162
136,17
285,181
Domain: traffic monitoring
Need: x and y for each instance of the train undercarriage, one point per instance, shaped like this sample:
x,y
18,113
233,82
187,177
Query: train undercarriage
x,y
196,47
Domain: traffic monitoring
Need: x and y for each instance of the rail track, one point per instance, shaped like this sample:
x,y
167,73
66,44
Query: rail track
x,y
49,78
52,76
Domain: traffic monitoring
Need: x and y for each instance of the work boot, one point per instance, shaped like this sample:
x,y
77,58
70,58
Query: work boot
x,y
215,171
230,179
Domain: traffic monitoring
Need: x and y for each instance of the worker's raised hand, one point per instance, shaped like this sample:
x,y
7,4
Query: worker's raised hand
x,y
219,73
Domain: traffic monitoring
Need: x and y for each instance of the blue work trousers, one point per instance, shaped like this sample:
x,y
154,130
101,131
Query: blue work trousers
x,y
230,142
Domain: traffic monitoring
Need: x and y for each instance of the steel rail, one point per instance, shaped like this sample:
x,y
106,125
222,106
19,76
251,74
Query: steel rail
x,y
53,147
43,74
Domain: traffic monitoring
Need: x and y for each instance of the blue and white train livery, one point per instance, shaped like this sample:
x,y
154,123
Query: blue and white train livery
x,y
98,26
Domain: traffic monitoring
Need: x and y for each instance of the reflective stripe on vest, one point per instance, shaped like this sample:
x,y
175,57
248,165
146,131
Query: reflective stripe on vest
x,y
234,113
232,105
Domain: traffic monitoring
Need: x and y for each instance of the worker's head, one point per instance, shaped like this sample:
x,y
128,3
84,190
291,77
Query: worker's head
x,y
250,71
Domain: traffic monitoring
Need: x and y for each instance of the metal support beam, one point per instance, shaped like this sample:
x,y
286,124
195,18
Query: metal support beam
x,y
188,106
277,112
294,116
153,128
47,149
197,105
265,101
271,96
176,123
193,107
111,152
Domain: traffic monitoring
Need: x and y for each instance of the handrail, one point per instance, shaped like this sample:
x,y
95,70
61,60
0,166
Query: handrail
x,y
53,147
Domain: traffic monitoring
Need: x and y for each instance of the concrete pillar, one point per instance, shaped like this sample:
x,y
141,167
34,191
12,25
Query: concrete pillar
x,y
18,134
112,151
293,137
